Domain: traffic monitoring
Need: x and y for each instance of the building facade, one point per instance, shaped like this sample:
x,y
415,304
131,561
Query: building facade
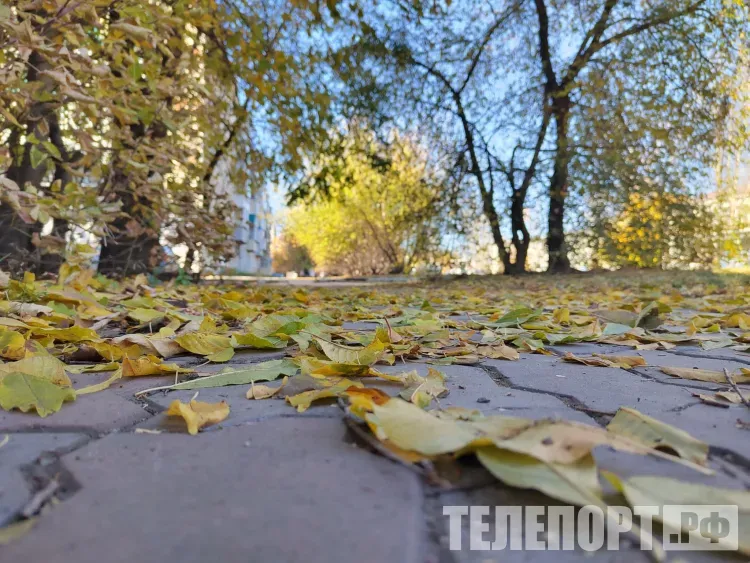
x,y
252,232
252,235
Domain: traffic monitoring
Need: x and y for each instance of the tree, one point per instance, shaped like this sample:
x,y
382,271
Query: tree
x,y
288,256
655,229
501,84
117,115
371,206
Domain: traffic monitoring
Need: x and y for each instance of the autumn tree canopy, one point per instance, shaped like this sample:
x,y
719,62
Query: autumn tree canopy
x,y
553,119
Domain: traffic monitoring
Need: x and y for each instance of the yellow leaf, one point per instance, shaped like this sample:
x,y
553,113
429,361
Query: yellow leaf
x,y
164,347
12,345
354,356
101,386
71,334
656,434
198,414
222,356
705,375
16,530
264,391
149,365
45,367
315,367
25,392
498,352
203,344
302,401
411,428
576,483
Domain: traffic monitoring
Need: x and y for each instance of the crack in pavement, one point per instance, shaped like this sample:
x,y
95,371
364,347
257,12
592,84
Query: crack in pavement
x,y
502,380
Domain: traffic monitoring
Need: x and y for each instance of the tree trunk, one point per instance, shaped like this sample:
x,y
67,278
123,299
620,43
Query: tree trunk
x,y
17,253
521,236
127,253
558,190
488,206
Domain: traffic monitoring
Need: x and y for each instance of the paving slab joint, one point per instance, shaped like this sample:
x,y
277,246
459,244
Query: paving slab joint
x,y
600,417
736,359
47,479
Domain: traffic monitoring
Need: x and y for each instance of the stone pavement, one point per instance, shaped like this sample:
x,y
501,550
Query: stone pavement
x,y
271,485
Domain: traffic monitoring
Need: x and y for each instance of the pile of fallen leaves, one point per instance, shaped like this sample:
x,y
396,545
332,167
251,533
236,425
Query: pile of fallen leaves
x,y
84,323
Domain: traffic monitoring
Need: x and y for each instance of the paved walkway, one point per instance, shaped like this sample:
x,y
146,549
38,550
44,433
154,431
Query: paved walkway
x,y
271,485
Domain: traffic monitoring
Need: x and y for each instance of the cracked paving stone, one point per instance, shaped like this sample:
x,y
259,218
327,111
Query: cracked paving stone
x,y
21,449
467,384
285,490
601,389
98,412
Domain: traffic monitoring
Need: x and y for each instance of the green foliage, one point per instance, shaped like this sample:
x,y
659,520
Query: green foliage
x,y
372,206
651,229
120,119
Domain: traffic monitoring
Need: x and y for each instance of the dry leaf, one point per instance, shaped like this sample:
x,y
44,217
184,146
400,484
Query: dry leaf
x,y
302,401
264,391
198,414
656,434
25,392
711,376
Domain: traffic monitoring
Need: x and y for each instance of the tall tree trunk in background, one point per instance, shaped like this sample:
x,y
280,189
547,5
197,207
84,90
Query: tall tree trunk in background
x,y
558,190
133,246
16,249
130,249
51,261
521,238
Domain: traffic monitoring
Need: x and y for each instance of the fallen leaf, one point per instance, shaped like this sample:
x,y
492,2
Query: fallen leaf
x,y
103,385
164,347
325,368
730,396
498,352
259,342
576,483
659,435
411,428
16,530
710,400
339,354
303,400
149,365
264,391
198,414
12,345
603,360
203,344
264,371
660,491
711,376
223,356
426,389
25,392
44,367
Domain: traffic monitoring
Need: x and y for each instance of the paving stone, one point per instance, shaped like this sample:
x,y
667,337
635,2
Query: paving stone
x,y
22,449
713,425
657,359
630,465
467,384
601,389
588,348
98,412
287,490
717,354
